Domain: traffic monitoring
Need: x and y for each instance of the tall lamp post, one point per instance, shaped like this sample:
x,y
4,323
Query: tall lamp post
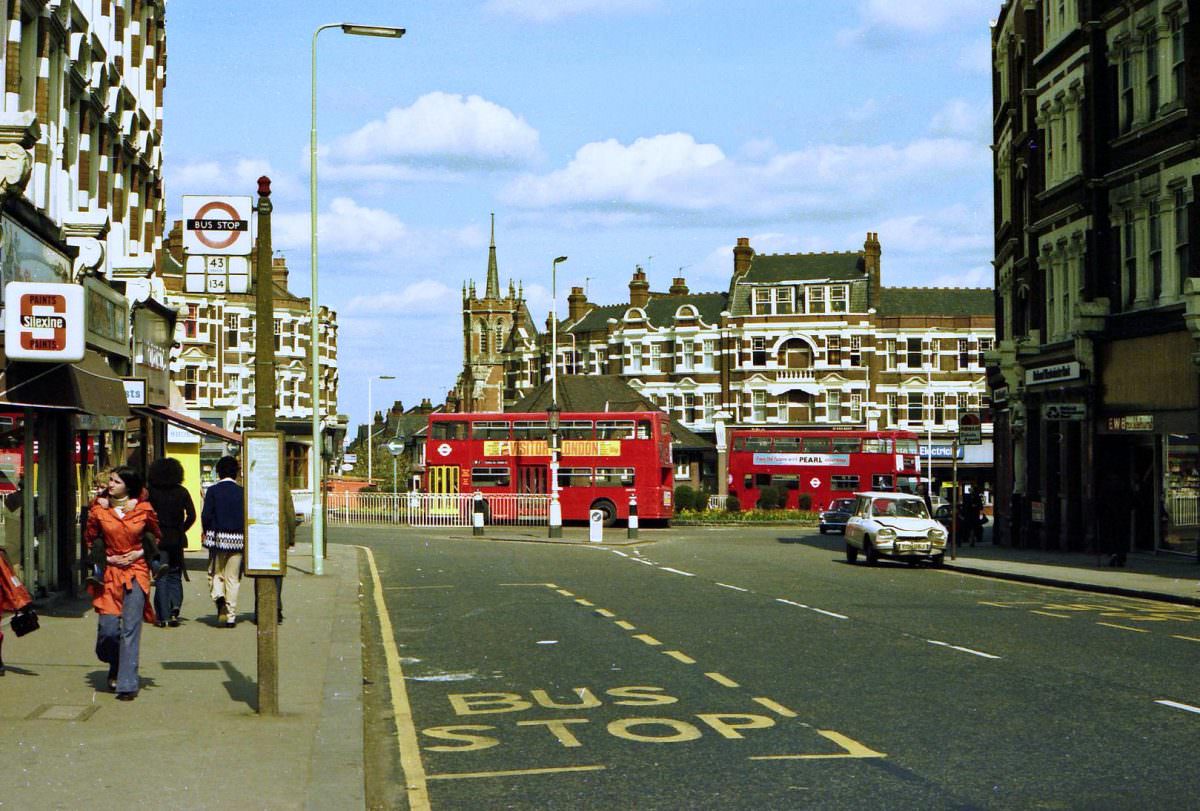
x,y
318,507
553,413
371,422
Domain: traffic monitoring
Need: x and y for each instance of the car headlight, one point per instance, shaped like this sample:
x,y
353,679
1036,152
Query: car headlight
x,y
886,534
937,534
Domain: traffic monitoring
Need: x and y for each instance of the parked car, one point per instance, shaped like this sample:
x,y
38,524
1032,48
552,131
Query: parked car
x,y
836,515
944,515
893,525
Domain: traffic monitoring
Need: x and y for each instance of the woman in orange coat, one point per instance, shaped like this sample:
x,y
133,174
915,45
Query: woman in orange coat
x,y
119,522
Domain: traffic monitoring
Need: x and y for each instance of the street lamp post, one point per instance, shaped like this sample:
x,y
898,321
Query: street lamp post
x,y
553,412
318,507
371,421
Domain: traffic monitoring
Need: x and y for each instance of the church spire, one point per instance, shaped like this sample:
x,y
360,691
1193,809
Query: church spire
x,y
493,275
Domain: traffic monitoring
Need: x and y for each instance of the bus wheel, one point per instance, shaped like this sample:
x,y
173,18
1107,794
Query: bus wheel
x,y
609,509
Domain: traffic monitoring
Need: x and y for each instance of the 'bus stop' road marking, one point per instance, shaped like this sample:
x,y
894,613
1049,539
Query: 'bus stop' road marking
x,y
724,681
515,772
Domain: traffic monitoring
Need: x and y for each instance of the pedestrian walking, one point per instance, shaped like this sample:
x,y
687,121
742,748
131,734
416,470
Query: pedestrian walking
x,y
223,520
119,523
176,515
972,517
15,599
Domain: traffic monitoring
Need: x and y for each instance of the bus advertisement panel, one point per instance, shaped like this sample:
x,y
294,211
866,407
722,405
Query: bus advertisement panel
x,y
823,464
604,458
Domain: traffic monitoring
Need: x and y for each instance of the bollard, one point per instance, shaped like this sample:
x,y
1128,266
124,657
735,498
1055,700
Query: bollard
x,y
633,518
477,514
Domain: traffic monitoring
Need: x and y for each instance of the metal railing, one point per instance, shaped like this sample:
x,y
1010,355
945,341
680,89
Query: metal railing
x,y
435,509
1184,509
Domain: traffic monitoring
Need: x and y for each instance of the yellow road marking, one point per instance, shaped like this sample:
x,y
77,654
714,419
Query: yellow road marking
x,y
1048,614
515,772
416,588
406,731
533,585
628,626
774,706
679,656
1186,638
550,585
564,593
582,601
604,612
722,680
853,748
994,605
649,640
1124,627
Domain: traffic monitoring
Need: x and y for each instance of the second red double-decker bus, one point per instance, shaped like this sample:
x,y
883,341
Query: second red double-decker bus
x,y
605,458
823,464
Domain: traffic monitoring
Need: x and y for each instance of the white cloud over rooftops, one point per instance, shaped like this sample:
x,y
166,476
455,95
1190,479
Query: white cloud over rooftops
x,y
673,175
442,129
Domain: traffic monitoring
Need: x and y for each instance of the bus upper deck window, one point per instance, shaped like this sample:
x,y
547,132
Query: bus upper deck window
x,y
490,430
846,444
575,429
449,430
614,429
531,430
787,444
877,445
758,443
816,444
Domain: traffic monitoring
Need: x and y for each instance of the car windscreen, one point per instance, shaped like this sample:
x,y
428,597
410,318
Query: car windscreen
x,y
900,508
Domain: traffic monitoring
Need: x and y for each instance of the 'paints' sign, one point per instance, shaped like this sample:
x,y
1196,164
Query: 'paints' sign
x,y
44,322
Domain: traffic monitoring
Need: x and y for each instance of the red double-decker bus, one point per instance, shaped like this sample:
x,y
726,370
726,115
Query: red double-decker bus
x,y
825,464
605,457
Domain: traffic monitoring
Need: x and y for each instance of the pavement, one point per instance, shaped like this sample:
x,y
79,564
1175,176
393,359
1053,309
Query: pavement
x,y
193,738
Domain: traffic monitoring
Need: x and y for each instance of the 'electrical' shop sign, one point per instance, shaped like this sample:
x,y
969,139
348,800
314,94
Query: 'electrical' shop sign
x,y
1052,374
44,322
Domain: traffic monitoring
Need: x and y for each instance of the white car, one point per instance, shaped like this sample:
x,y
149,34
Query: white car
x,y
893,525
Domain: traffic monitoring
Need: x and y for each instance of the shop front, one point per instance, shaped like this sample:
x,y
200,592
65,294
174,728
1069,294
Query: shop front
x,y
1148,444
62,405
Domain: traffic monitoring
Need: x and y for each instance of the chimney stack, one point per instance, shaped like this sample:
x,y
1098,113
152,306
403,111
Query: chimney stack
x,y
279,271
577,305
639,288
742,256
679,286
871,254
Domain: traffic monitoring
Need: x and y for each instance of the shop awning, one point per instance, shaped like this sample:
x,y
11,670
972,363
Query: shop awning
x,y
90,386
189,423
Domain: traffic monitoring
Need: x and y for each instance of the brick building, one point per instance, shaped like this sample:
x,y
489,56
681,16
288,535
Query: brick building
x,y
1097,126
812,340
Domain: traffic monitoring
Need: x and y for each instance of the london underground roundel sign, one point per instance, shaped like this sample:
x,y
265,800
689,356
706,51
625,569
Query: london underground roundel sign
x,y
217,226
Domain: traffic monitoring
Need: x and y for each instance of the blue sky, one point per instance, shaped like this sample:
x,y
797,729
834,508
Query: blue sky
x,y
616,132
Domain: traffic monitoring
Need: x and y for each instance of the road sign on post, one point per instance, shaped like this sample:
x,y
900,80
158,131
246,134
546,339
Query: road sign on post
x,y
970,431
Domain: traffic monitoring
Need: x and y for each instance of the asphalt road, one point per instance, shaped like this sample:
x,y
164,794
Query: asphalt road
x,y
757,669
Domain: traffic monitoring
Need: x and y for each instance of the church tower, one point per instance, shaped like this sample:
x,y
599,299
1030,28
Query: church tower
x,y
487,323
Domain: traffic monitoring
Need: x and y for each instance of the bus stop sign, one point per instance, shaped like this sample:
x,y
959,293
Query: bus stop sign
x,y
970,432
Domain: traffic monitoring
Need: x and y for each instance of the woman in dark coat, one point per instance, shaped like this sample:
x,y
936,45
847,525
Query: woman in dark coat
x,y
176,514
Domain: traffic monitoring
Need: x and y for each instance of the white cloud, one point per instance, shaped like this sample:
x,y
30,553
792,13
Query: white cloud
x,y
961,119
674,177
441,129
956,230
345,227
423,297
890,22
233,176
544,11
981,276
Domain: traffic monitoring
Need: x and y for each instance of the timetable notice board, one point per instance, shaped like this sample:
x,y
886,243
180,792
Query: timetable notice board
x,y
263,455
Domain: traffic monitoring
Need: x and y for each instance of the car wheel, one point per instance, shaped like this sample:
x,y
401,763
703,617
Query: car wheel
x,y
869,552
851,554
821,529
937,560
